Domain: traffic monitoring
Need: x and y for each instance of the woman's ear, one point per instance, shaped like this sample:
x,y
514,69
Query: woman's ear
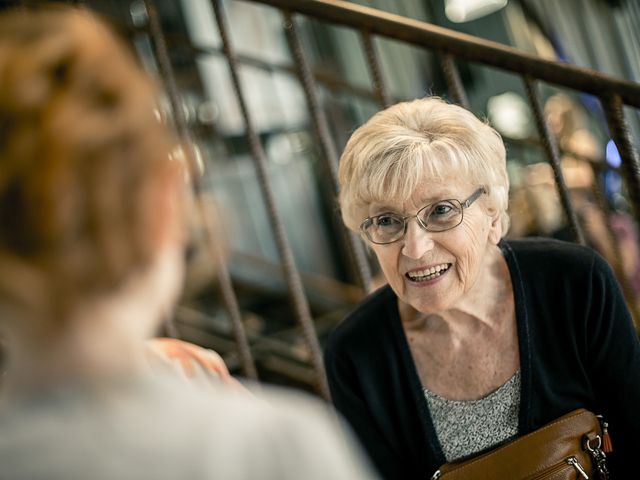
x,y
495,229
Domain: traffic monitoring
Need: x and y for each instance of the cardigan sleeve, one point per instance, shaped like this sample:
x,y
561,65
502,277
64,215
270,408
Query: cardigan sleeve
x,y
349,400
614,366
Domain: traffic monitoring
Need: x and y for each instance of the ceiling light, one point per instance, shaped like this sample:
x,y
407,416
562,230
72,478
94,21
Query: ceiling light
x,y
459,11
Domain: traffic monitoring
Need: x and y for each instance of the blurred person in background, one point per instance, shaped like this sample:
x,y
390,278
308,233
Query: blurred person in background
x,y
582,155
475,340
91,260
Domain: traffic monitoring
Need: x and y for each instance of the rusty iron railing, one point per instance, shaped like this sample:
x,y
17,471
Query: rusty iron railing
x,y
449,47
321,125
298,298
610,90
224,279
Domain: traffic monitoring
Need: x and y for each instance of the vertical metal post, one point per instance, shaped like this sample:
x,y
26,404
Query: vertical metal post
x,y
321,126
228,295
630,166
551,149
224,279
454,82
168,78
375,69
299,301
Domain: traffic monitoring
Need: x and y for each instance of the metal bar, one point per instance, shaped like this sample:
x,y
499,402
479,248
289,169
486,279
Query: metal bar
x,y
630,166
298,299
325,77
168,78
551,149
313,102
454,82
374,69
229,298
170,86
321,126
461,45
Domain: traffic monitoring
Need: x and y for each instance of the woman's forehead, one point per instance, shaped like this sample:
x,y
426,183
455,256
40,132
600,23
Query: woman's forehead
x,y
427,192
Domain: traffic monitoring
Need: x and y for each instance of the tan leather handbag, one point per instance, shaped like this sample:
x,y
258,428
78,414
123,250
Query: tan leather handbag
x,y
567,448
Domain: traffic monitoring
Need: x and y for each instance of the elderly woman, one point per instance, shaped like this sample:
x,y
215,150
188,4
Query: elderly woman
x,y
90,262
474,340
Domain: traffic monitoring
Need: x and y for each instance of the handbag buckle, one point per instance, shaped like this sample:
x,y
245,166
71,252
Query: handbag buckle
x,y
593,445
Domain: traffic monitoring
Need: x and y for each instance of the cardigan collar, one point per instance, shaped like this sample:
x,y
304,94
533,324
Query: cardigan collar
x,y
435,456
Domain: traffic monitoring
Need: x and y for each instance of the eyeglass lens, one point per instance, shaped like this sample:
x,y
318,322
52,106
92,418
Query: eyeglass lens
x,y
437,217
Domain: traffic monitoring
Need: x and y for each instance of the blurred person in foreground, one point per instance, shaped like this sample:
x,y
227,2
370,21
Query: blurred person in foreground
x,y
475,340
90,261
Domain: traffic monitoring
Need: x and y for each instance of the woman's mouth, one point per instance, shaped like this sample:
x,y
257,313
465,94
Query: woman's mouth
x,y
428,273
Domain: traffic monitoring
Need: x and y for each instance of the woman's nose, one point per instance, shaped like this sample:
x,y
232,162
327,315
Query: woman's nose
x,y
417,241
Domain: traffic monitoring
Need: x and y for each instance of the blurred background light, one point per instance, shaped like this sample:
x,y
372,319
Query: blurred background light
x,y
612,155
510,115
459,11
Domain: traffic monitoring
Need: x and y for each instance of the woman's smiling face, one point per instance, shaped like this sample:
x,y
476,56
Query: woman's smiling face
x,y
433,271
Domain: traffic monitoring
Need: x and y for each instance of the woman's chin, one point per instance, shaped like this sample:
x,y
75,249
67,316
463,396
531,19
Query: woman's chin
x,y
427,302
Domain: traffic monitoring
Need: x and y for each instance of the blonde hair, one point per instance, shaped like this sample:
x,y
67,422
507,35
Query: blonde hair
x,y
84,160
388,157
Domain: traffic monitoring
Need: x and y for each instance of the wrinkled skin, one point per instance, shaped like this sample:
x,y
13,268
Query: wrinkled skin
x,y
470,249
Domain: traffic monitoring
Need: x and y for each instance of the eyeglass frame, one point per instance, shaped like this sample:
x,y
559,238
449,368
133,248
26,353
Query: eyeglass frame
x,y
463,205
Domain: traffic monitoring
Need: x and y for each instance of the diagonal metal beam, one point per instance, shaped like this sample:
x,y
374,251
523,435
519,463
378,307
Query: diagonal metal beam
x,y
224,279
296,292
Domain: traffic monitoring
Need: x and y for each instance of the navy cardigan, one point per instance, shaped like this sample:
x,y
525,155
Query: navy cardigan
x,y
578,348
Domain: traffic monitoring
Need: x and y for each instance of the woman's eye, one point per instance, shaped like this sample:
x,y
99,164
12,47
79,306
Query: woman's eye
x,y
387,221
442,209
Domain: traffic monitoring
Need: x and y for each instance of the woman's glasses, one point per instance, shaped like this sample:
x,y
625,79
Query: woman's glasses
x,y
435,217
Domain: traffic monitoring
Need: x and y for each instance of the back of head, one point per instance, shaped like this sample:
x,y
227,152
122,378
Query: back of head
x,y
388,157
83,162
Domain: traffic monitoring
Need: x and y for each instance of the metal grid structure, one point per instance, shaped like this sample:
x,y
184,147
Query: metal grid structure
x,y
449,48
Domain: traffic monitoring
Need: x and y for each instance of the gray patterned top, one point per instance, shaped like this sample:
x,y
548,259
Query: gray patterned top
x,y
469,426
